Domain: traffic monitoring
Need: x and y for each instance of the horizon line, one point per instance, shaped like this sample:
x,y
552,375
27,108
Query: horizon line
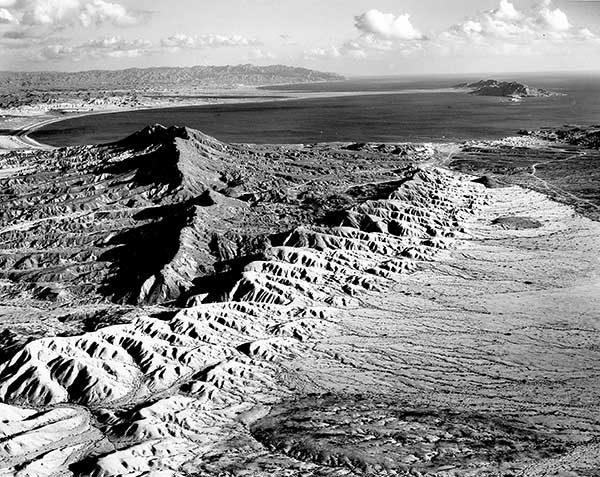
x,y
440,73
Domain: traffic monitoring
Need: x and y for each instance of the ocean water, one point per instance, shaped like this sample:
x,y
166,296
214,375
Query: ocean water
x,y
390,110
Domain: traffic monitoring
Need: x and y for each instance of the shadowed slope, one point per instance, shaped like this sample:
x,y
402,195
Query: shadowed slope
x,y
110,218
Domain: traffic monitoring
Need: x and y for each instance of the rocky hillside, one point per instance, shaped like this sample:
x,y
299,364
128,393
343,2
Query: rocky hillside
x,y
250,251
508,89
167,78
585,136
148,220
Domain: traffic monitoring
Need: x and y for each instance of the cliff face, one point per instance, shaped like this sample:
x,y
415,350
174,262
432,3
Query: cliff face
x,y
511,89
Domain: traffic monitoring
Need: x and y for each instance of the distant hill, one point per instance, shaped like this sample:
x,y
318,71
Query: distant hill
x,y
228,76
509,89
583,136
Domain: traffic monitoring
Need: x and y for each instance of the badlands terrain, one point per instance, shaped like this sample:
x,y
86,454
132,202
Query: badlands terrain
x,y
173,305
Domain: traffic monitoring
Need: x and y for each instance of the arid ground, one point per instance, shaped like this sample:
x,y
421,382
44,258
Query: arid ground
x,y
174,305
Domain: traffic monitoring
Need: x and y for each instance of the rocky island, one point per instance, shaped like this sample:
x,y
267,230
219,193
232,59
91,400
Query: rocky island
x,y
507,89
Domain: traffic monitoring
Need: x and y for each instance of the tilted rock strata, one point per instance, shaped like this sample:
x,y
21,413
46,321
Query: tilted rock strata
x,y
313,266
82,224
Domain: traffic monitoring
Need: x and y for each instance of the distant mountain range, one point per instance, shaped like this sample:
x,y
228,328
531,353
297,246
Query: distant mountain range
x,y
509,89
143,79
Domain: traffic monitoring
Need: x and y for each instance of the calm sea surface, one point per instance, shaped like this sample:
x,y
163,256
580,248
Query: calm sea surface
x,y
389,111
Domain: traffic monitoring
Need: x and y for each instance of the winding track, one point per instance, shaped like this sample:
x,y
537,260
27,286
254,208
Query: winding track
x,y
555,188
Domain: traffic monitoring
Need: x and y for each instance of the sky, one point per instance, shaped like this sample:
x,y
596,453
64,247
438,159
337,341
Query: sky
x,y
351,37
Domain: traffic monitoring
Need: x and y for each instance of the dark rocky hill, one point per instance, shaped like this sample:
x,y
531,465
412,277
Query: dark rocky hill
x,y
137,221
512,89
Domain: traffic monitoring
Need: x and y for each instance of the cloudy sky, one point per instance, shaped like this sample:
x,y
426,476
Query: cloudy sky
x,y
355,37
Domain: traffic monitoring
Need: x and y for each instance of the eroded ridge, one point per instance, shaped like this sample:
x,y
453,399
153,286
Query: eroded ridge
x,y
166,390
83,223
45,442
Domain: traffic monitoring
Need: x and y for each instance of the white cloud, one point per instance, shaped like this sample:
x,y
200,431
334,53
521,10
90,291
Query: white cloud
x,y
118,47
358,48
55,52
471,27
556,19
260,54
379,32
69,12
586,34
39,12
387,25
98,12
506,11
322,53
186,42
108,47
6,16
505,28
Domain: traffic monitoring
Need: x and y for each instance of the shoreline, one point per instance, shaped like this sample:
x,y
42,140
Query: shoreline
x,y
553,189
23,141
